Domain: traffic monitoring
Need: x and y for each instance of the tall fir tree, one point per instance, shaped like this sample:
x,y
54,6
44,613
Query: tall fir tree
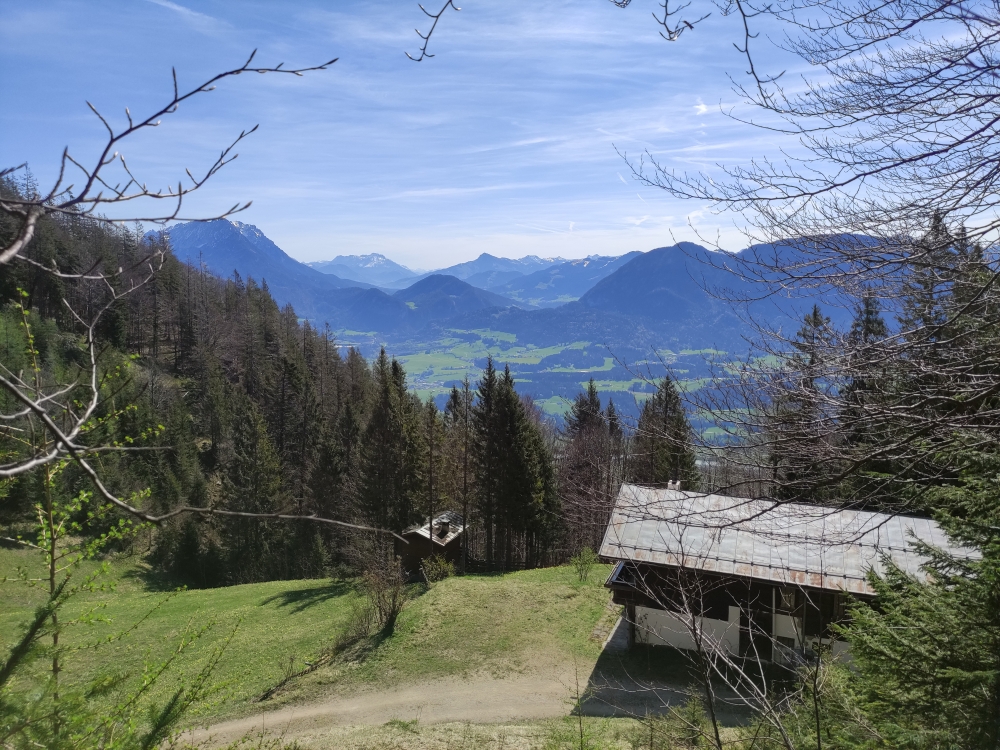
x,y
663,446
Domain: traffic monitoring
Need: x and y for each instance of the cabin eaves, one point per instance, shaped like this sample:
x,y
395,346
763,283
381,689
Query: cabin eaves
x,y
784,543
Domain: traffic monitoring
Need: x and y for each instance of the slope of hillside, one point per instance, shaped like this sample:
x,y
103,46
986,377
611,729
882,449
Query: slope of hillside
x,y
461,625
373,268
565,282
226,246
666,284
438,297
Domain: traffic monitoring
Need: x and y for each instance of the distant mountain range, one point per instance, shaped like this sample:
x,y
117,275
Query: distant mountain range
x,y
558,322
664,289
485,272
223,247
563,282
373,268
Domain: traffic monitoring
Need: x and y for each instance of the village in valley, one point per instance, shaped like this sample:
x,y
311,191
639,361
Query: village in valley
x,y
583,382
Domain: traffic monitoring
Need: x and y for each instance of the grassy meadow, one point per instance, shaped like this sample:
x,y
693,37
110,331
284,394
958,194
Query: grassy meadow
x,y
496,624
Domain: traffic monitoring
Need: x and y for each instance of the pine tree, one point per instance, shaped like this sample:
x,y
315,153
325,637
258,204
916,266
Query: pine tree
x,y
663,447
927,655
586,471
486,450
585,414
437,498
799,418
392,452
458,418
252,484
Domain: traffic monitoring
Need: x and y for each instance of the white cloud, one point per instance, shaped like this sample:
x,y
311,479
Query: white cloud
x,y
199,21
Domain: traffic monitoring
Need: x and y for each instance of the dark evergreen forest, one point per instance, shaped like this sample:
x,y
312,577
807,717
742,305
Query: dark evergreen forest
x,y
239,405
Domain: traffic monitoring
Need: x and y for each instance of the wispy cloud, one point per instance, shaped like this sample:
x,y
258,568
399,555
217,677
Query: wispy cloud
x,y
202,22
504,142
443,192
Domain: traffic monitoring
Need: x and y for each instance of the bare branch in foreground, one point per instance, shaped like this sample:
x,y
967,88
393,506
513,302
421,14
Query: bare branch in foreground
x,y
100,190
427,37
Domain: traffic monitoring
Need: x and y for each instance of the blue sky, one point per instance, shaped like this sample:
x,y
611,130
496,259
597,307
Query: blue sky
x,y
504,142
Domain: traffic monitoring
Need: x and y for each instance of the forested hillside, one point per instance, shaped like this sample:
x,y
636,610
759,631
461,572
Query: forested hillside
x,y
241,406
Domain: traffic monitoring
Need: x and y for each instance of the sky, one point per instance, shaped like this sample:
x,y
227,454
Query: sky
x,y
516,138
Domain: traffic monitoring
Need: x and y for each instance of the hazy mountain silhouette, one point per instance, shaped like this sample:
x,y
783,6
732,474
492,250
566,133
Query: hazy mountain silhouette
x,y
562,283
487,270
665,294
373,268
438,297
225,246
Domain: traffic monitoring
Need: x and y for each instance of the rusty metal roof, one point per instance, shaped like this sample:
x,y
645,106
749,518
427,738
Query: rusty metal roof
x,y
456,525
788,543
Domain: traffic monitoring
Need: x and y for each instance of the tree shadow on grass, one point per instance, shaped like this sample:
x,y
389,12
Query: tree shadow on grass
x,y
157,581
302,599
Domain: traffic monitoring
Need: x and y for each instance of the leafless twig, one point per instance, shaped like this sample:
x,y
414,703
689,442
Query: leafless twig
x,y
427,37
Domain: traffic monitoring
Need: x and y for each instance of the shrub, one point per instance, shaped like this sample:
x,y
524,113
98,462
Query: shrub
x,y
359,625
436,568
583,561
384,585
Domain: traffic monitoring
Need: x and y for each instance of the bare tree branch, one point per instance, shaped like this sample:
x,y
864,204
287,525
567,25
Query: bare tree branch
x,y
427,37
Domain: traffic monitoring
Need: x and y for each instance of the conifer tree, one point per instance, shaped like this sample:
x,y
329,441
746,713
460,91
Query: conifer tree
x,y
663,445
585,414
252,484
587,478
392,452
437,497
799,418
458,417
927,655
486,450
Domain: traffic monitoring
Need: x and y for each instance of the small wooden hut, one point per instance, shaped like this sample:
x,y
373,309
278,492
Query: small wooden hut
x,y
445,541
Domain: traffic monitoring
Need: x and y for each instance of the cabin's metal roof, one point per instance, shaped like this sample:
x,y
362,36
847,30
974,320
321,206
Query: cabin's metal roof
x,y
456,525
788,543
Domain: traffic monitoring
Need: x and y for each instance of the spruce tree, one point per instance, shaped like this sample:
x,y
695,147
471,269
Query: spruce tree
x,y
252,484
392,452
585,414
663,447
437,496
799,420
585,469
486,451
927,653
458,418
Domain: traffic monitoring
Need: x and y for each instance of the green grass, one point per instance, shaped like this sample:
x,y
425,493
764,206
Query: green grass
x,y
555,406
617,385
693,384
609,363
495,624
450,359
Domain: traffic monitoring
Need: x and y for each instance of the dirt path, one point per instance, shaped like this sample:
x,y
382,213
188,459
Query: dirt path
x,y
546,693
478,699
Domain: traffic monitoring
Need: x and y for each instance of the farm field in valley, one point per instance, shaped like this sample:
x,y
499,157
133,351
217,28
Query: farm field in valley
x,y
552,375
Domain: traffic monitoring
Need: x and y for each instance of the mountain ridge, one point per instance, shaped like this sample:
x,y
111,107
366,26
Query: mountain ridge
x,y
373,268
